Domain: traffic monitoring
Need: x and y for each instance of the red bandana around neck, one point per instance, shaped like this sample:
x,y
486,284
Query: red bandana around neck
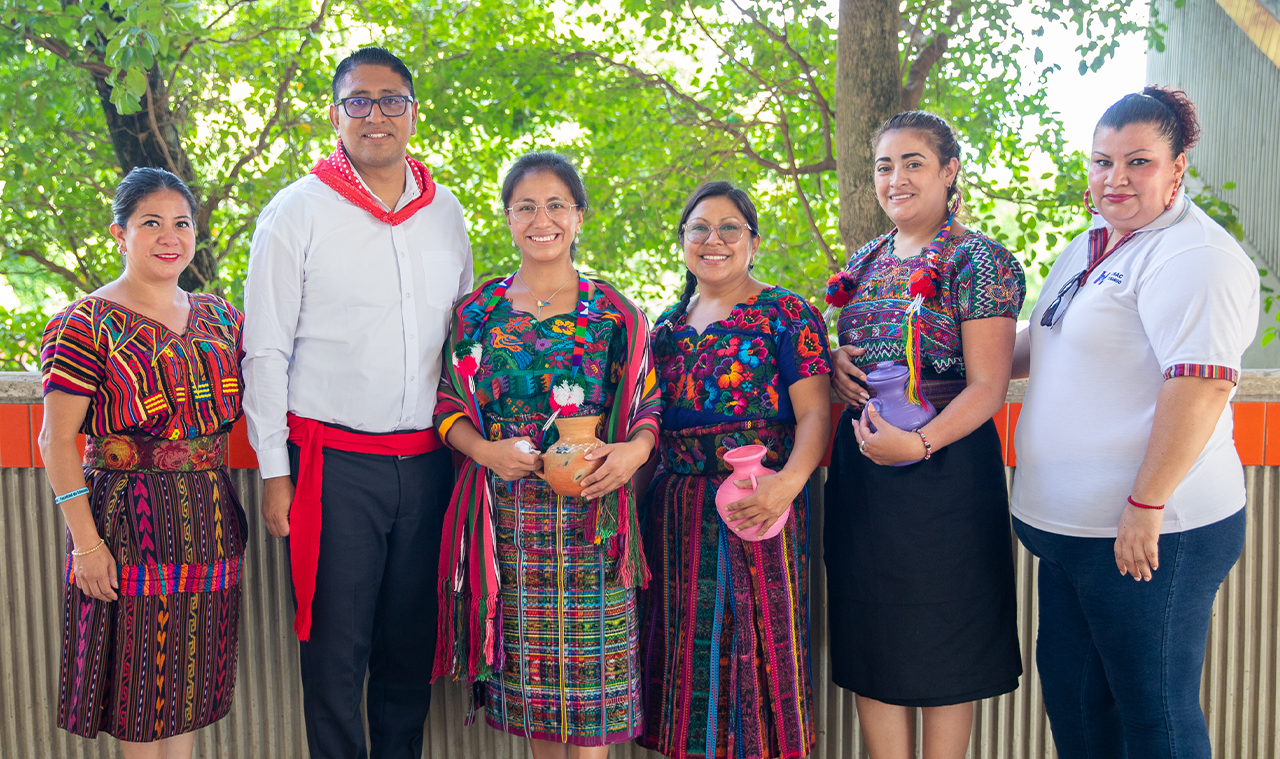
x,y
336,172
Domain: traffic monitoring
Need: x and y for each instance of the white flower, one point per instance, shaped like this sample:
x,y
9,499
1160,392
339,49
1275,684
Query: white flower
x,y
568,394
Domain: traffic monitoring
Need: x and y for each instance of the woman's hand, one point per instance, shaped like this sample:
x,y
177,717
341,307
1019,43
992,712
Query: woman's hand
x,y
96,573
1138,542
509,460
622,460
847,379
774,495
888,444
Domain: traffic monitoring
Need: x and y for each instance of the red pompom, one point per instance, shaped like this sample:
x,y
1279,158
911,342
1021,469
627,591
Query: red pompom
x,y
839,290
923,283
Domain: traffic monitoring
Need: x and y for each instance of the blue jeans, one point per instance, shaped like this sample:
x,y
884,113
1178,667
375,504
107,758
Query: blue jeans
x,y
1120,660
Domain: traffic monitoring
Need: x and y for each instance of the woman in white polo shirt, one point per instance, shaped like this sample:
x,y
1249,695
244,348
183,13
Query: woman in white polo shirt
x,y
1126,467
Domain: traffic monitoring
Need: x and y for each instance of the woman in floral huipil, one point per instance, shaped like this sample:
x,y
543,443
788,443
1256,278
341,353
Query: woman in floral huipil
x,y
725,639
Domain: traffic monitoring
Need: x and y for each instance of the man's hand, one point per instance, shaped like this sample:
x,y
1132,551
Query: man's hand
x,y
277,497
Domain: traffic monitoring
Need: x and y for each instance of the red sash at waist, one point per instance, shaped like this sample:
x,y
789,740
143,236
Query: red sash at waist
x,y
304,514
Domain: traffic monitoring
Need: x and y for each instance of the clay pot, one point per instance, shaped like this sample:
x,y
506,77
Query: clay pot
x,y
747,463
889,381
563,464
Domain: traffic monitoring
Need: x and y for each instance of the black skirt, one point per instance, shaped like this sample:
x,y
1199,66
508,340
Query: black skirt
x,y
921,597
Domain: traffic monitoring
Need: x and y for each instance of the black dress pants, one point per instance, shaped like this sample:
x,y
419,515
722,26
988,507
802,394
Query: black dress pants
x,y
375,602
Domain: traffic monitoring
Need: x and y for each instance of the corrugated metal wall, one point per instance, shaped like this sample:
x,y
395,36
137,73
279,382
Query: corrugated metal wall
x,y
1236,89
1242,669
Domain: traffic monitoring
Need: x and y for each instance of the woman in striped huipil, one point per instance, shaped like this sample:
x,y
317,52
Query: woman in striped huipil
x,y
155,533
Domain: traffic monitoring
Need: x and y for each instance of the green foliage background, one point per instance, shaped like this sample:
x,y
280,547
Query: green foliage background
x,y
648,97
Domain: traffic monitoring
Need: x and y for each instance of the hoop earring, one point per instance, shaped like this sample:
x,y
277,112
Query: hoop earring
x,y
1088,203
1177,184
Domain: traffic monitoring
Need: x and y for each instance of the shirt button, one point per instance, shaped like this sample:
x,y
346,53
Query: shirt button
x,y
408,295
412,378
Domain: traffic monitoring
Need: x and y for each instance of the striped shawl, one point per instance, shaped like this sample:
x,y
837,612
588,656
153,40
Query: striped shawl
x,y
467,645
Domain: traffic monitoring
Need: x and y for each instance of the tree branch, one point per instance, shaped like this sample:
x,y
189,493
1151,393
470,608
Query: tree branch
x,y
97,68
929,55
55,268
824,107
911,38
215,198
709,121
832,263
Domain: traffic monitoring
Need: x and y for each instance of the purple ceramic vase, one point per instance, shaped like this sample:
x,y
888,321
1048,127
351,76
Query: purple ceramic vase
x,y
747,463
889,381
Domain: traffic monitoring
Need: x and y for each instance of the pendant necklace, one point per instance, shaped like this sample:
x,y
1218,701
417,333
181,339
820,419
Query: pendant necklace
x,y
541,303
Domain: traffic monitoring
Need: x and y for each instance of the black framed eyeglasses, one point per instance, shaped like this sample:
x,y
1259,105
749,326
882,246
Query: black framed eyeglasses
x,y
1053,314
360,108
700,233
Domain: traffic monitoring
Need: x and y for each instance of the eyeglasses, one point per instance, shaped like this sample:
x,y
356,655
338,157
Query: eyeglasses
x,y
360,108
558,211
1053,314
700,233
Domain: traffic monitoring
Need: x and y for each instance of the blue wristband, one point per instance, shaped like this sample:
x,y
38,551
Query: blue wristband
x,y
68,496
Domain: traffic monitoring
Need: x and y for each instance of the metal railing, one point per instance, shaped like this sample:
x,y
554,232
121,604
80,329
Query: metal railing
x,y
1239,692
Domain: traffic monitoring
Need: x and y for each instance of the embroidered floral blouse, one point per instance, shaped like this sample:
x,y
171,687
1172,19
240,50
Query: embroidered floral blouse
x,y
523,357
142,378
979,279
739,368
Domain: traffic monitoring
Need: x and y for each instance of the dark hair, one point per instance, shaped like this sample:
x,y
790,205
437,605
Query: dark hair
x,y
718,189
1170,110
142,182
532,163
371,56
935,128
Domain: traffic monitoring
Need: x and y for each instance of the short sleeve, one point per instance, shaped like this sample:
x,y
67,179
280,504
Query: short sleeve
x,y
989,282
804,351
1200,312
70,358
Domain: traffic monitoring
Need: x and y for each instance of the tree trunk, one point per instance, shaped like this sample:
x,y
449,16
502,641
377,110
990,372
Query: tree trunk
x,y
867,91
149,137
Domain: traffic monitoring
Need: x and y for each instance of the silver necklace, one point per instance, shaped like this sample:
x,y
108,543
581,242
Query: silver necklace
x,y
541,303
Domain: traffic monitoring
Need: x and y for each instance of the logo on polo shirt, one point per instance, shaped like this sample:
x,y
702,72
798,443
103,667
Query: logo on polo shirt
x,y
1109,276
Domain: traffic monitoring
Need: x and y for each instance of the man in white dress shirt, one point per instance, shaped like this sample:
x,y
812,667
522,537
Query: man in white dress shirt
x,y
353,271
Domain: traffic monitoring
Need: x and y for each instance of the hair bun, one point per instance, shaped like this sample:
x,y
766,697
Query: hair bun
x,y
1183,110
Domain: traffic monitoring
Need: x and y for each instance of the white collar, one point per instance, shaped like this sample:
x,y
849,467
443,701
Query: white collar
x,y
411,189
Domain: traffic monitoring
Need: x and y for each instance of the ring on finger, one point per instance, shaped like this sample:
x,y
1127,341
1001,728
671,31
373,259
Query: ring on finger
x,y
862,447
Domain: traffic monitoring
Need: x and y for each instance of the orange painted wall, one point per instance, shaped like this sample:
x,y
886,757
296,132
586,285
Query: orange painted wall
x,y
1257,443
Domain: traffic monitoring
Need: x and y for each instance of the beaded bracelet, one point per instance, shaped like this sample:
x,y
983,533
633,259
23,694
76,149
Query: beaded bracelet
x,y
928,449
1143,505
101,543
68,496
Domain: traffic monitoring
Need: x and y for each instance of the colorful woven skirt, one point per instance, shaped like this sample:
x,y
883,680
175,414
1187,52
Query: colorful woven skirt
x,y
725,633
160,660
569,631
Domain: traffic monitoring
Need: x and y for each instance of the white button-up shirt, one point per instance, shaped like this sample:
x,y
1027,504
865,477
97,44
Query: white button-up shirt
x,y
345,315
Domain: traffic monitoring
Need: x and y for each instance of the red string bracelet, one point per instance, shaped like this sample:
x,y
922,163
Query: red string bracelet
x,y
1143,505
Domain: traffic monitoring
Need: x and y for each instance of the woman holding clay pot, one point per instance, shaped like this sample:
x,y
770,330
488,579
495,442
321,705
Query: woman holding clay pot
x,y
725,641
919,558
538,585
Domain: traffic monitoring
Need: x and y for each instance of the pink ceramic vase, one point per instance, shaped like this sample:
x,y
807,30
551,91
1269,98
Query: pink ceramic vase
x,y
746,462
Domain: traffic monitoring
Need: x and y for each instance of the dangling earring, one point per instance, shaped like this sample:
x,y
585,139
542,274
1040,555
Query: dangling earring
x,y
1088,203
1177,183
953,206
